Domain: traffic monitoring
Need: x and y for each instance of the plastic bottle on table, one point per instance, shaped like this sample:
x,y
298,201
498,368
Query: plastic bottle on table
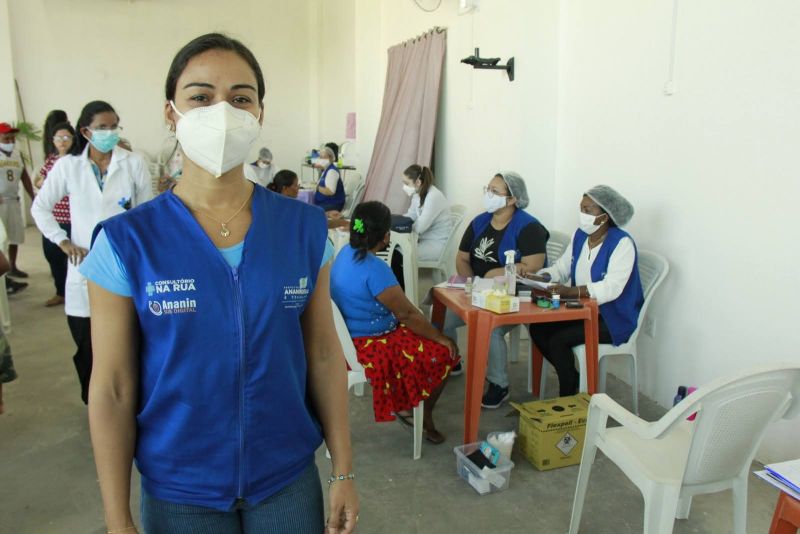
x,y
468,286
511,273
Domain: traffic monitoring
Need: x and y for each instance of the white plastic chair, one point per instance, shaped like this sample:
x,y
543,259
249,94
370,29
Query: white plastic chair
x,y
444,266
353,200
352,180
356,377
556,245
653,268
672,459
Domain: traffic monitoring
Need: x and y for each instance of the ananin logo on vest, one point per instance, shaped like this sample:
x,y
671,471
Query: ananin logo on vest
x,y
169,307
296,296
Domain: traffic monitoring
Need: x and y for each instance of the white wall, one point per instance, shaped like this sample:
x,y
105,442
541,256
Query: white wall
x,y
68,53
712,171
8,103
336,68
486,123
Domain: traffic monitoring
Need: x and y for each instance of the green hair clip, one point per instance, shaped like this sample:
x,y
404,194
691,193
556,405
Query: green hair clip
x,y
358,226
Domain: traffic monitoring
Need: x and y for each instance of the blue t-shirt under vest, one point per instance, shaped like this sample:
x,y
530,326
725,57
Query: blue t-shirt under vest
x,y
223,411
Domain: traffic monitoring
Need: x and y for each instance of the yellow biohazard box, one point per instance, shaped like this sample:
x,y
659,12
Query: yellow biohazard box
x,y
551,432
493,302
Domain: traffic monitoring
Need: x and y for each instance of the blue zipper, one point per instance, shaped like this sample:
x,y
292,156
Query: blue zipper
x,y
240,325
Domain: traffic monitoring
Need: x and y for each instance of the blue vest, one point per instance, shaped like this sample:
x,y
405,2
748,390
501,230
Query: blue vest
x,y
622,313
223,411
510,239
336,202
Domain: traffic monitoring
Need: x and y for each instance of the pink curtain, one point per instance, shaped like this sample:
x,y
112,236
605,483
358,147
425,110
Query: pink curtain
x,y
408,118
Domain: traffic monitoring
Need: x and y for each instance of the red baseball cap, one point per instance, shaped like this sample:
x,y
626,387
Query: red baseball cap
x,y
6,128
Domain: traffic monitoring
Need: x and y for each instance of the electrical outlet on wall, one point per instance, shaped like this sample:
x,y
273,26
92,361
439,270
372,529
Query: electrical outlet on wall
x,y
649,326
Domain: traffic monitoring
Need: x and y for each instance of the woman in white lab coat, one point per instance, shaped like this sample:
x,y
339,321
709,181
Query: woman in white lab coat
x,y
430,212
103,180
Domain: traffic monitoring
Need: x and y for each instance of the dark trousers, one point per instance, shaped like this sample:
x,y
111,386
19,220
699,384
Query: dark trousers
x,y
81,330
555,341
57,260
397,268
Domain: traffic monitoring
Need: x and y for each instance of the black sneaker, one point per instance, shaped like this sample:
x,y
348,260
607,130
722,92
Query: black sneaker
x,y
494,397
457,370
13,286
16,273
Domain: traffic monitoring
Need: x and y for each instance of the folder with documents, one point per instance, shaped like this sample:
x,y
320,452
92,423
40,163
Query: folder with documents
x,y
787,473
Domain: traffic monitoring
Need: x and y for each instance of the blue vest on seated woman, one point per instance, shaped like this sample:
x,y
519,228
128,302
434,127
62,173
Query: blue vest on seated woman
x,y
621,314
510,240
223,409
336,202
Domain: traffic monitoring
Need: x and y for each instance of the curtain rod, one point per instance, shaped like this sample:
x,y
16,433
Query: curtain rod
x,y
435,29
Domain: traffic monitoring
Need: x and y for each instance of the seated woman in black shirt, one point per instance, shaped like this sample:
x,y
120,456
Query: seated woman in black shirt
x,y
504,226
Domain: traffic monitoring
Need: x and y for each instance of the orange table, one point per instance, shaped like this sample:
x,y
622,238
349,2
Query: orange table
x,y
786,519
480,324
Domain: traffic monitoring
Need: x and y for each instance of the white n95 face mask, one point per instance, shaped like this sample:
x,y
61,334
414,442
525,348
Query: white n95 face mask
x,y
409,190
493,202
217,138
7,147
587,223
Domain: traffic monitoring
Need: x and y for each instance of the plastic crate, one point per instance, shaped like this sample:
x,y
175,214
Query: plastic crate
x,y
496,481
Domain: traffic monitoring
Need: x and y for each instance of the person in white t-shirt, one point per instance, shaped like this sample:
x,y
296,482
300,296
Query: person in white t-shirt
x,y
430,212
12,173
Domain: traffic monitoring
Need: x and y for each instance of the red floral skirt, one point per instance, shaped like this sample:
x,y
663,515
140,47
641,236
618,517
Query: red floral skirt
x,y
403,369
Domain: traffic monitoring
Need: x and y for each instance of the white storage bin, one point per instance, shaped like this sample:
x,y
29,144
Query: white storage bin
x,y
495,480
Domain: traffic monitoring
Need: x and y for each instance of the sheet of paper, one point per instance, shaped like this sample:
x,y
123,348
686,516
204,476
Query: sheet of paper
x,y
787,472
765,476
534,283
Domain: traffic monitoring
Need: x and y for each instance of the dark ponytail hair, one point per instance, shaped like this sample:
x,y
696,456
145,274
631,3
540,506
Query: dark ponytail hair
x,y
282,180
73,150
57,116
87,116
373,219
424,175
204,43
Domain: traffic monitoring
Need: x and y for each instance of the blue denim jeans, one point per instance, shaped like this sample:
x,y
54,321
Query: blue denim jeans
x,y
297,508
497,368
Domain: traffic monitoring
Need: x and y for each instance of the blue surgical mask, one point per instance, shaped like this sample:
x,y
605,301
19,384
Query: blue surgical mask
x,y
104,140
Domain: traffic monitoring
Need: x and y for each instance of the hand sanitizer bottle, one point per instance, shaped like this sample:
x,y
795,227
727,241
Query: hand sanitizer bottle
x,y
511,273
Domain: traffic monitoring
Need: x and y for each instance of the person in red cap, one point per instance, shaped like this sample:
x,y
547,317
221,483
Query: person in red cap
x,y
13,170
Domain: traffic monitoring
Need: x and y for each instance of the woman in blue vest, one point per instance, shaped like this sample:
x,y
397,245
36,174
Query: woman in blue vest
x,y
601,264
330,191
217,365
504,226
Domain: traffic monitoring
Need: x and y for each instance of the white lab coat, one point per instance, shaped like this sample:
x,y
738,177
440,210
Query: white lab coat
x,y
127,180
257,175
432,222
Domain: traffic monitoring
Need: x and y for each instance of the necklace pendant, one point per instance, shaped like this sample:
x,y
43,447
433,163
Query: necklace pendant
x,y
224,232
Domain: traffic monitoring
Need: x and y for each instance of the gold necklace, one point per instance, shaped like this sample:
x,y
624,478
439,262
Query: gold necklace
x,y
224,232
